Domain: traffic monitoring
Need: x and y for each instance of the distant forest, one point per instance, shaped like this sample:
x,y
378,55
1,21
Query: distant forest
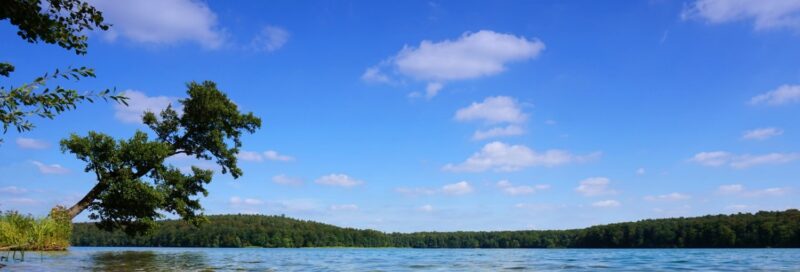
x,y
762,229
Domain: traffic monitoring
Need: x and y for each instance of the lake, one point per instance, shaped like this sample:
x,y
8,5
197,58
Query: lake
x,y
394,259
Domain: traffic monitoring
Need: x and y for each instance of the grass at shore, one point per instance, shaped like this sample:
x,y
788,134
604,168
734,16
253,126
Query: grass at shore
x,y
24,232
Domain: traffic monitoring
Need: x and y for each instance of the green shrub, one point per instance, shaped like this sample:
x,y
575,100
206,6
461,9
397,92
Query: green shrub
x,y
24,232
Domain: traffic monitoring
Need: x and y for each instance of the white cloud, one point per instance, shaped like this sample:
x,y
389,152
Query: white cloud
x,y
473,55
270,38
784,94
138,104
739,190
374,74
426,208
668,197
721,158
714,158
54,169
344,207
499,156
595,186
271,155
641,171
249,156
510,130
496,109
28,143
432,89
275,156
238,201
162,22
458,188
606,204
287,180
730,189
415,191
14,190
341,180
510,189
762,133
766,14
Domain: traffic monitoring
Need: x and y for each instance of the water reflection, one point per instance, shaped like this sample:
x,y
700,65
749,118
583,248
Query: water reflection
x,y
147,261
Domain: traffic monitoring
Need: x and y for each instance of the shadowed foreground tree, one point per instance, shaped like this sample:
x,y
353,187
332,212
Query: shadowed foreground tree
x,y
134,185
61,22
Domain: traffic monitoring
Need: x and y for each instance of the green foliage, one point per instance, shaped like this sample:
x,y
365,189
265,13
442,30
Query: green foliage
x,y
134,183
763,229
17,104
24,232
61,22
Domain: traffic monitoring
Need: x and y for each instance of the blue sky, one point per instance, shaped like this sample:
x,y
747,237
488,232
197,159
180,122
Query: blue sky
x,y
449,115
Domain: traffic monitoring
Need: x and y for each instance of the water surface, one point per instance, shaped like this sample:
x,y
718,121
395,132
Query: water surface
x,y
393,259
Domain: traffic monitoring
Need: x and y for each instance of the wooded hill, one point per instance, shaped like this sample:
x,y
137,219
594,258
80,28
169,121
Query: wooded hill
x,y
762,229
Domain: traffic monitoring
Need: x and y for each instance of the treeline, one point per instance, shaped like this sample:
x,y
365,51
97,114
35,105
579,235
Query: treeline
x,y
762,229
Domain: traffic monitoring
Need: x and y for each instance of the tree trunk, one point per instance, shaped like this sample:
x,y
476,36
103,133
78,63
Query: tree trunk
x,y
86,200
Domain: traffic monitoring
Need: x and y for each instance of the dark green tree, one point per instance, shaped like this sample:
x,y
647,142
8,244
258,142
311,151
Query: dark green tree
x,y
134,184
61,22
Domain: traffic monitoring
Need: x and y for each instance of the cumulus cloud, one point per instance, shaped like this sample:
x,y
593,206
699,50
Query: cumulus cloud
x,y
722,158
340,180
238,201
496,109
425,208
499,156
415,191
765,14
270,38
668,197
287,180
509,188
595,186
473,55
740,190
29,143
275,156
138,104
249,156
344,207
784,94
458,188
762,133
606,204
52,169
271,155
510,130
14,190
162,22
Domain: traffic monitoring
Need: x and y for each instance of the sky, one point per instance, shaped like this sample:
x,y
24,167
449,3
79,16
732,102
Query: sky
x,y
447,115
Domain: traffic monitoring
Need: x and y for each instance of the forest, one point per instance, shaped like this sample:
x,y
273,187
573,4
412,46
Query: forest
x,y
742,230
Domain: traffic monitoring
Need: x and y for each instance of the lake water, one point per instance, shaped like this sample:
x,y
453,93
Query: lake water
x,y
391,259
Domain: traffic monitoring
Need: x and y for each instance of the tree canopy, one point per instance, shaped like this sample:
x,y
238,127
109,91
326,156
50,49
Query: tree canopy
x,y
61,22
762,229
133,181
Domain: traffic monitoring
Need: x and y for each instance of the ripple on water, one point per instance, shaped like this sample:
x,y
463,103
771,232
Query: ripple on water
x,y
390,260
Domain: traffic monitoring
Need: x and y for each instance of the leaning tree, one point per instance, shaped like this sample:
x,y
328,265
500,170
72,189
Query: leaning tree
x,y
135,186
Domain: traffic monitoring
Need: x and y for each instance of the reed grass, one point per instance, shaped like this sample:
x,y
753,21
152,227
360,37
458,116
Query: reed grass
x,y
25,232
